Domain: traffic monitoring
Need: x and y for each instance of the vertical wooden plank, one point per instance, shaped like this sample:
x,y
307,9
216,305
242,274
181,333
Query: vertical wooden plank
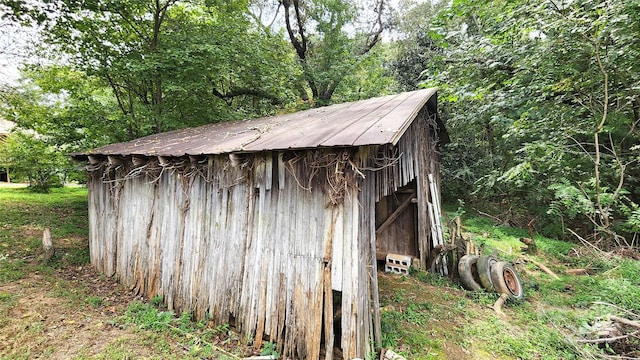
x,y
337,249
263,251
350,311
368,227
268,171
281,171
316,269
329,336
155,251
422,187
330,227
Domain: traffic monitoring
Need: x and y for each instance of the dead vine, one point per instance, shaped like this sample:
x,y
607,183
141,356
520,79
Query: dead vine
x,y
336,170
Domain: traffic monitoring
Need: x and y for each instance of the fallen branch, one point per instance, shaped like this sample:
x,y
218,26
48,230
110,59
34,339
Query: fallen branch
x,y
497,307
544,268
625,321
614,306
596,251
577,272
489,216
606,340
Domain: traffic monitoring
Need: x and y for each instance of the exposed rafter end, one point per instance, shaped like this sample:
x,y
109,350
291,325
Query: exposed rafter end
x,y
139,160
115,160
163,160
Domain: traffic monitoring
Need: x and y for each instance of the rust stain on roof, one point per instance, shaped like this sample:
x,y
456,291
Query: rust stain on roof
x,y
375,121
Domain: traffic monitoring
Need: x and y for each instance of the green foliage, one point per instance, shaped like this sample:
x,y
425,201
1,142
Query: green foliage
x,y
269,348
156,323
147,317
36,160
522,87
136,69
23,217
95,301
336,45
157,300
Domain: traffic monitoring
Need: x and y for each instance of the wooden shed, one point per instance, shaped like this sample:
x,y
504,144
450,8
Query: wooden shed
x,y
272,224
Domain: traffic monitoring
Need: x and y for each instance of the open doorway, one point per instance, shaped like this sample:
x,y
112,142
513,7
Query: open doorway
x,y
396,224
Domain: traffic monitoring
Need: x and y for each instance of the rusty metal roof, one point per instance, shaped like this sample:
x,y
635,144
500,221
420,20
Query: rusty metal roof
x,y
375,121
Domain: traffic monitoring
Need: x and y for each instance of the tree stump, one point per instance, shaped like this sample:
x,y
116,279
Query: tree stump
x,y
47,245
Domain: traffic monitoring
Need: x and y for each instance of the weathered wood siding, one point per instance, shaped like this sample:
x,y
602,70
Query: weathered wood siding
x,y
394,167
238,244
261,240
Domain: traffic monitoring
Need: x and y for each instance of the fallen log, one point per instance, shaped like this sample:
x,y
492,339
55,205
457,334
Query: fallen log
x,y
544,268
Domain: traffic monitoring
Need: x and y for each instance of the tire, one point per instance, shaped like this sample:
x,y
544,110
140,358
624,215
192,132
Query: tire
x,y
484,271
506,280
469,272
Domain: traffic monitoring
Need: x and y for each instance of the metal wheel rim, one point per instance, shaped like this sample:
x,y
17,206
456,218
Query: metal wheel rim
x,y
511,280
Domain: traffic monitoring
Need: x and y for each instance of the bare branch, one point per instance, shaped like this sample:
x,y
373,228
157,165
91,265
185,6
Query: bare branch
x,y
374,36
299,44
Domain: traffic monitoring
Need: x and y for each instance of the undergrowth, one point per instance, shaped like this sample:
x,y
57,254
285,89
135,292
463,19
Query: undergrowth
x,y
423,316
546,324
201,340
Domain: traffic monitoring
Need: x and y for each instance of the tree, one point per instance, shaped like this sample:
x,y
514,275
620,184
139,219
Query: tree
x,y
415,46
171,64
542,100
32,158
70,109
319,32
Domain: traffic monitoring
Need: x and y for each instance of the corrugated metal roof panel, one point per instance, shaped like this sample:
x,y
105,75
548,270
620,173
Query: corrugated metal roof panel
x,y
379,121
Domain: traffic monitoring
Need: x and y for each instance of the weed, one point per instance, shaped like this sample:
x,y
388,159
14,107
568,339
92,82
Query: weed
x,y
222,329
147,317
78,257
95,301
12,270
7,301
416,314
7,298
269,348
157,300
427,278
400,295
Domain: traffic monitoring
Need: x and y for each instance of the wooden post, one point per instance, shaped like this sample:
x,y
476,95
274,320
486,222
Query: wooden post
x,y
47,245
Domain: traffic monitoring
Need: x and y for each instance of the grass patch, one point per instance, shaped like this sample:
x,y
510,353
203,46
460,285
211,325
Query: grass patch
x,y
11,270
554,312
199,338
23,217
504,240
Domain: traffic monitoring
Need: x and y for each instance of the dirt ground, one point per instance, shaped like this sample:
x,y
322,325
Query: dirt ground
x,y
47,316
39,323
